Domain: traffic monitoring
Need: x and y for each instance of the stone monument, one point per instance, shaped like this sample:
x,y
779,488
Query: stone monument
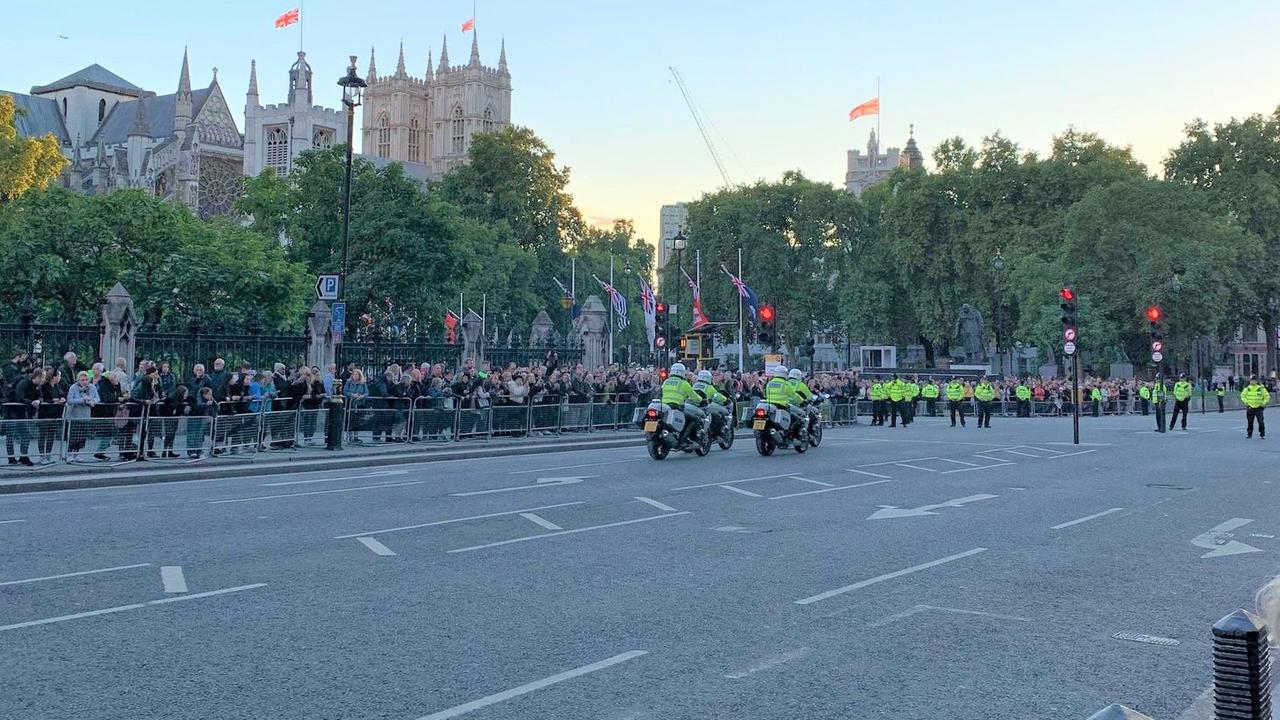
x,y
592,329
540,332
119,328
968,334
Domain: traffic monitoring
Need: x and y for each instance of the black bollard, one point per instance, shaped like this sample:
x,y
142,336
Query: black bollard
x,y
1118,712
1241,668
334,419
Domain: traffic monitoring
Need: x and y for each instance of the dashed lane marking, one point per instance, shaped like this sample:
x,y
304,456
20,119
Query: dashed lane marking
x,y
124,608
540,521
74,574
830,489
566,532
977,467
1086,518
740,491
654,503
375,547
864,472
453,520
888,576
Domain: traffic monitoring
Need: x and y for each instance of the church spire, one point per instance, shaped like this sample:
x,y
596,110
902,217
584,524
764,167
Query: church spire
x,y
253,82
400,71
430,72
475,48
444,56
373,66
182,101
502,58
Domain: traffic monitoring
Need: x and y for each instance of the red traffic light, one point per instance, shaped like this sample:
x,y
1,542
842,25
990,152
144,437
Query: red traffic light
x,y
1067,294
1154,313
660,307
766,313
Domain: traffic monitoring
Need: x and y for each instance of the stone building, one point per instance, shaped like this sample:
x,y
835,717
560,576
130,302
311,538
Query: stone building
x,y
428,122
867,170
275,135
183,146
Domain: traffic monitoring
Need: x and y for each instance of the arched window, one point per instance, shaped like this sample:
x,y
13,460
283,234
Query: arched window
x,y
488,120
384,136
278,148
102,109
459,132
322,137
415,140
64,108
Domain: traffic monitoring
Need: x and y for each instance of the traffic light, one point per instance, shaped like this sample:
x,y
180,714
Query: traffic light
x,y
768,326
660,326
1068,306
1155,316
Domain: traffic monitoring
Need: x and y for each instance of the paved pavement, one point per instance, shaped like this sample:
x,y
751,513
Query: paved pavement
x,y
925,572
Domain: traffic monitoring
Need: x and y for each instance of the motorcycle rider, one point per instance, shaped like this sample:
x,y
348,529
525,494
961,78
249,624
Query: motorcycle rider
x,y
803,394
717,402
779,393
677,393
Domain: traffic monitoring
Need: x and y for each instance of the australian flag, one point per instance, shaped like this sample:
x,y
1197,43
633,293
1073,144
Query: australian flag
x,y
744,291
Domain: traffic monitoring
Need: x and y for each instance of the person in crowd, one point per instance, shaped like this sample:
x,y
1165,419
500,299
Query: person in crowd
x,y
356,392
219,379
24,405
81,398
68,371
53,401
111,402
171,410
144,396
203,422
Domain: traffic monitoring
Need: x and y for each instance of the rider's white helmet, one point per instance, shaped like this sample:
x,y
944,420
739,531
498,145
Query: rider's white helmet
x,y
796,374
679,369
705,376
780,371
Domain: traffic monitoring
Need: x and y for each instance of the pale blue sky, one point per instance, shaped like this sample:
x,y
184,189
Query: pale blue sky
x,y
776,79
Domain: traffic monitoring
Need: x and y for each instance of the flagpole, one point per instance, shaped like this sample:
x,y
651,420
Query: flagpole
x,y
611,312
878,138
302,21
573,293
484,311
742,332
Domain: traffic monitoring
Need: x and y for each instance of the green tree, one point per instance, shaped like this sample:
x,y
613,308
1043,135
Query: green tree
x,y
25,163
1237,165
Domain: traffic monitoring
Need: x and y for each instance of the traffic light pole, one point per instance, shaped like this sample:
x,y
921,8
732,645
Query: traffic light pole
x,y
1075,399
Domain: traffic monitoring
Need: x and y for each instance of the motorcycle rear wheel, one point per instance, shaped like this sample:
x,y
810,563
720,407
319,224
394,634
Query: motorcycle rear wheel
x,y
658,450
764,443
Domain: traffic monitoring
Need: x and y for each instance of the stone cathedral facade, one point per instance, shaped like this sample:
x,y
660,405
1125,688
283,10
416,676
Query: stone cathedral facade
x,y
428,122
275,135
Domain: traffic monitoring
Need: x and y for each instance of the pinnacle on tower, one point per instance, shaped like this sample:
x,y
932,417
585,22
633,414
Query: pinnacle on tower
x,y
502,57
253,80
184,80
430,71
444,56
101,160
400,71
475,48
373,66
182,101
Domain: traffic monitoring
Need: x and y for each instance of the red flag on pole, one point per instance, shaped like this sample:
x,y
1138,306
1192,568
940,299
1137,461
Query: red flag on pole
x,y
288,18
870,107
469,25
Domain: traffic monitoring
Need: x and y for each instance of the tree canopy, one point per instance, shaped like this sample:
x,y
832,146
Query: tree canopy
x,y
25,163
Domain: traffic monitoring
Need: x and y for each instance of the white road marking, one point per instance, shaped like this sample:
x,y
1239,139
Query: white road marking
x,y
74,574
654,503
895,462
540,521
891,512
572,467
453,520
1054,442
1050,450
915,467
1018,452
991,459
533,686
134,606
1211,540
1086,518
740,491
379,486
864,472
541,483
7,522
959,462
889,576
830,489
769,663
1082,452
173,579
977,467
376,547
730,482
383,473
816,482
566,532
925,608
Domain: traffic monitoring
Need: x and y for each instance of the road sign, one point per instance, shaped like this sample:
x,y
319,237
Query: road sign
x,y
1157,356
339,321
1069,347
327,287
1069,334
1157,346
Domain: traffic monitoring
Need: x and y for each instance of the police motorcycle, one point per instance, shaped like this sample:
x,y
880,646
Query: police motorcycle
x,y
664,424
771,425
812,410
722,424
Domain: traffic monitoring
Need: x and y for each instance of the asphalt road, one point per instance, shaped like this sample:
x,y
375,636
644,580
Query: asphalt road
x,y
921,572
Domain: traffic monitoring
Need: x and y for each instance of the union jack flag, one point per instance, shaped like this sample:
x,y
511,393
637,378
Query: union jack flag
x,y
744,292
649,305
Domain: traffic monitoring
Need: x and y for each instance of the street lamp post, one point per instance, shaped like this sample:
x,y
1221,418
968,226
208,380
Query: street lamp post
x,y
678,243
626,271
352,91
998,263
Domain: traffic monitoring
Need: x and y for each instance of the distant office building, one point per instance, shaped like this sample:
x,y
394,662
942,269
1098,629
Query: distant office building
x,y
674,219
869,169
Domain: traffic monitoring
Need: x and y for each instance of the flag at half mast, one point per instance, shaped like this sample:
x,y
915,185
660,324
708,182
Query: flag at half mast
x,y
288,18
870,107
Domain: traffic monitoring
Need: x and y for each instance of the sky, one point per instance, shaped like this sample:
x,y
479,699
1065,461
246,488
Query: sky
x,y
774,81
